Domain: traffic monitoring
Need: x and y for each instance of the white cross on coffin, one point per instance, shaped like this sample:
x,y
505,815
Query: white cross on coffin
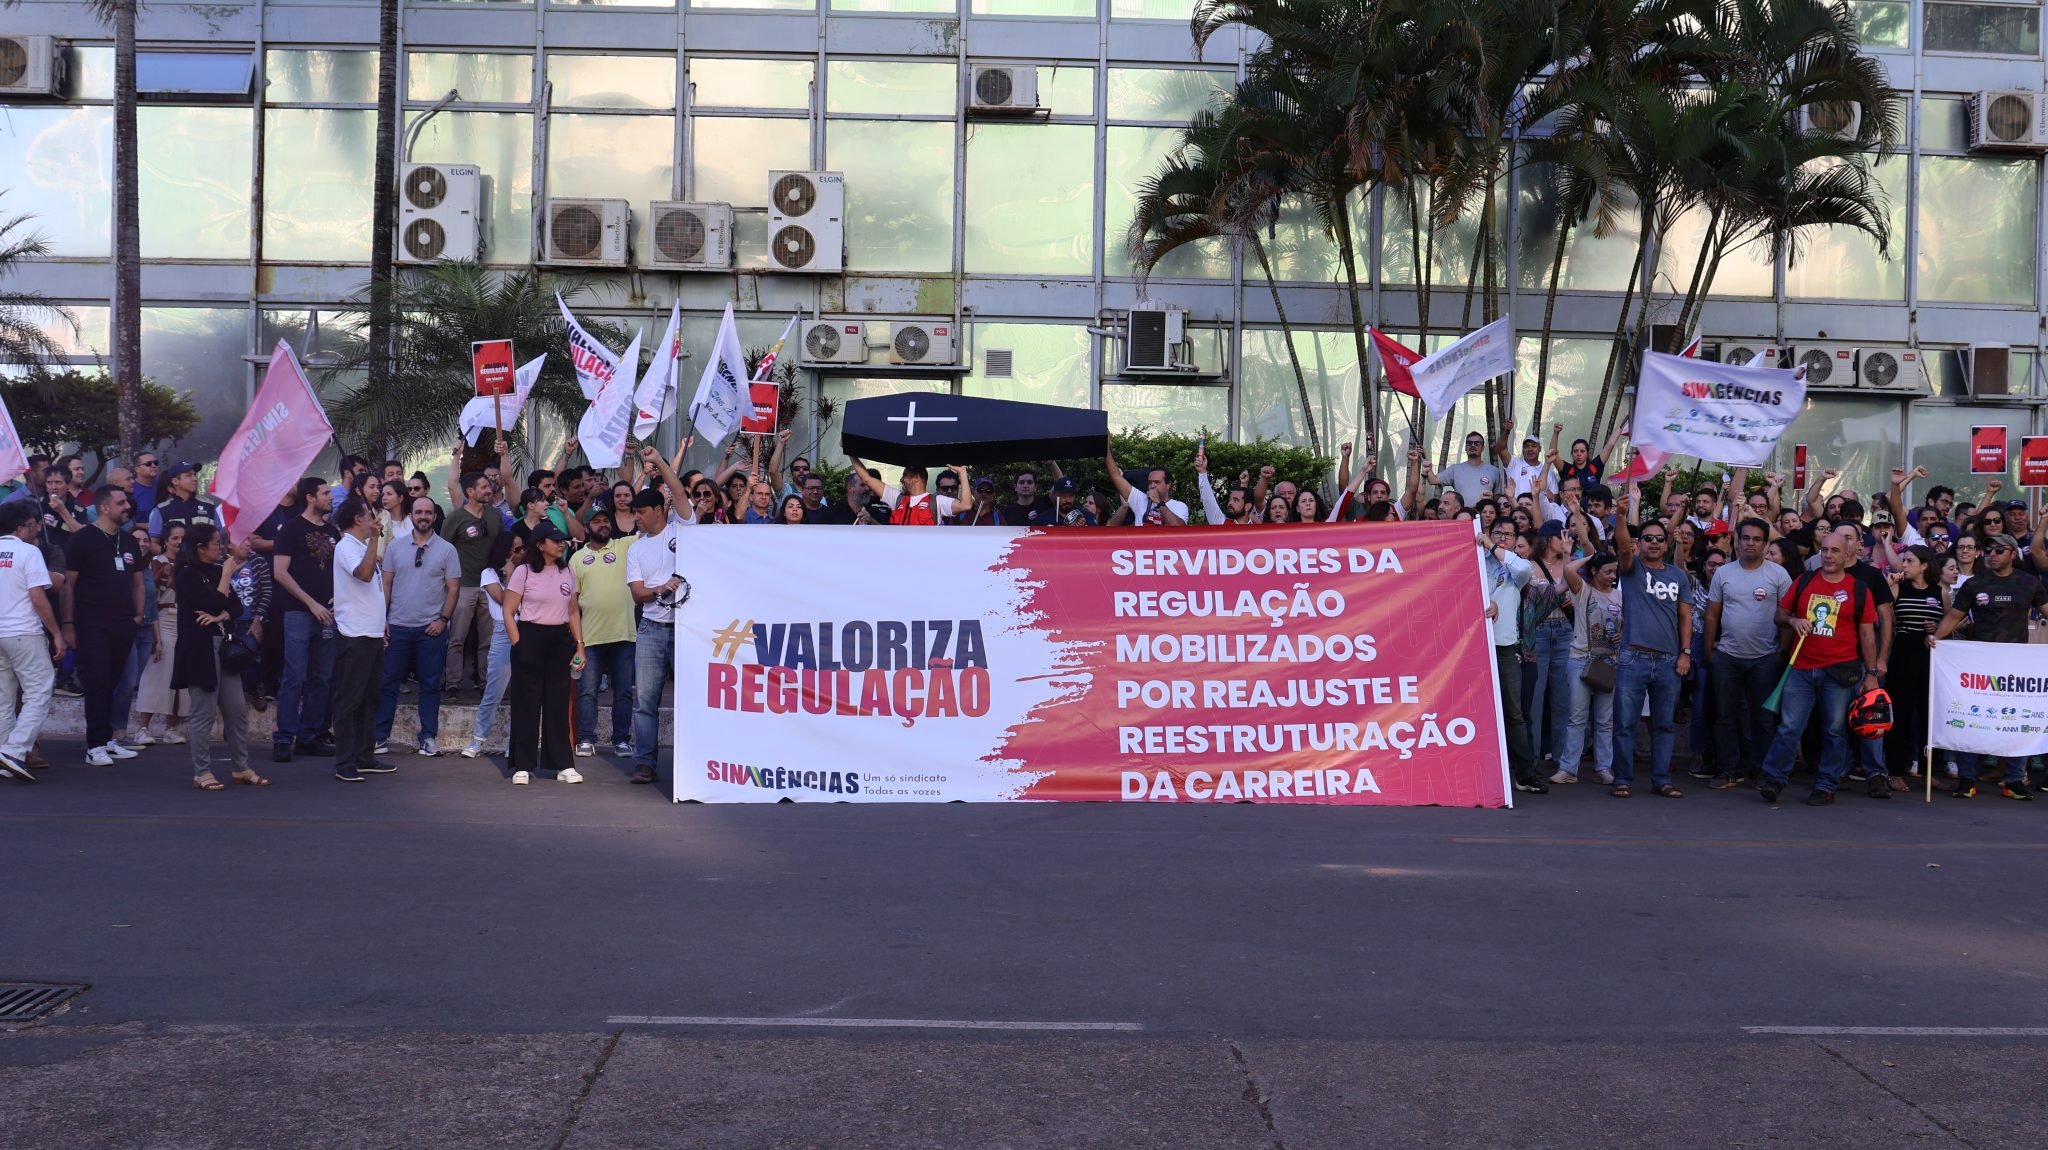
x,y
910,419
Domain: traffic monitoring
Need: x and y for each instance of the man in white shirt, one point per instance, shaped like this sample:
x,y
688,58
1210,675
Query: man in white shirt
x,y
1506,573
656,585
1237,514
359,628
25,617
1156,498
1525,472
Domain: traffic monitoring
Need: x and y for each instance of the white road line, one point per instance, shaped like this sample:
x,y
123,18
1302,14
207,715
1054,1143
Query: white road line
x,y
1908,1031
863,1023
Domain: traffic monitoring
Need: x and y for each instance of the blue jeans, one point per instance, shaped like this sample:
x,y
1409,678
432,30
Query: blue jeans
x,y
616,660
497,673
1587,705
1806,688
308,670
131,675
412,649
654,663
1968,764
1550,701
1638,673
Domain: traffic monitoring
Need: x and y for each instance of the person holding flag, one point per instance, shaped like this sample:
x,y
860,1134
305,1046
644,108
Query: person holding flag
x,y
1835,618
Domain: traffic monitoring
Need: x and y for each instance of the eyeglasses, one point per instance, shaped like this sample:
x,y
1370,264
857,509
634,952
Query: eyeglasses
x,y
1653,538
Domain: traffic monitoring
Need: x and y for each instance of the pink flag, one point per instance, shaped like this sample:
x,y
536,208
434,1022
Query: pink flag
x,y
13,462
285,430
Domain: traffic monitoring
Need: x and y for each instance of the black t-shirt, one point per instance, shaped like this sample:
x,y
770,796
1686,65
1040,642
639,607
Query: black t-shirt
x,y
1997,606
1873,581
103,571
1037,514
310,547
840,515
275,521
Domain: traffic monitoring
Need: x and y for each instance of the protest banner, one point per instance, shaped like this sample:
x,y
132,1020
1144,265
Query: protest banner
x,y
1719,412
491,364
763,395
603,429
284,431
595,363
1987,450
493,413
2034,461
722,401
655,399
1988,698
13,460
1311,665
1441,378
1799,467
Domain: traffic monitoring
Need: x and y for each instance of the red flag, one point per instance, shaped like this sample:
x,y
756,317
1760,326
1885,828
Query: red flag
x,y
1395,360
282,435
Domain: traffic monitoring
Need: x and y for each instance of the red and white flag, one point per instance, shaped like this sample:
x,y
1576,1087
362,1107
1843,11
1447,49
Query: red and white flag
x,y
13,460
655,399
284,432
1395,361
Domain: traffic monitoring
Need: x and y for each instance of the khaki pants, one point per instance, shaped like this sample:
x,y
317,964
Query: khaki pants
x,y
469,631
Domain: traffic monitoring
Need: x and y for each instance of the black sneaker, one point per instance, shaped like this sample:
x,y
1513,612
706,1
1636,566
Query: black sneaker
x,y
1963,790
348,775
2016,791
1703,771
1820,798
1532,786
280,752
1880,786
643,775
377,767
1858,775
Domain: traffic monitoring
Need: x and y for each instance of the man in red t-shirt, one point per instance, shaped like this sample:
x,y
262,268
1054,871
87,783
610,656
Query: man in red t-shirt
x,y
1835,618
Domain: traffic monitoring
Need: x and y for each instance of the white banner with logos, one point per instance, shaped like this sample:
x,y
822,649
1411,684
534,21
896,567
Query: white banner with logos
x,y
1720,412
1989,698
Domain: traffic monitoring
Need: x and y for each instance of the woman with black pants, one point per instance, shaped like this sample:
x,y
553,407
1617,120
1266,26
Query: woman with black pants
x,y
207,609
1919,601
546,631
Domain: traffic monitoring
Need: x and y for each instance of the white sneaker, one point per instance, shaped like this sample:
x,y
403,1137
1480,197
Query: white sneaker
x,y
521,778
585,750
173,737
1607,778
383,747
475,748
429,748
98,757
568,775
139,739
117,751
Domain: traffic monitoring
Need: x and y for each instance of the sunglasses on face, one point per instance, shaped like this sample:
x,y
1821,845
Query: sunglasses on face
x,y
1653,538
1995,548
1939,538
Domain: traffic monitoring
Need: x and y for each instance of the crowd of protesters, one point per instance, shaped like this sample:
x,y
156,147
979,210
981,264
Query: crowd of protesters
x,y
1613,614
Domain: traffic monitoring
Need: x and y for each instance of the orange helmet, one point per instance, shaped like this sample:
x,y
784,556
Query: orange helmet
x,y
1871,714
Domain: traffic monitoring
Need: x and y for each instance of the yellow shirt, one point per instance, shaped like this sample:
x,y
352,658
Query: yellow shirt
x,y
601,594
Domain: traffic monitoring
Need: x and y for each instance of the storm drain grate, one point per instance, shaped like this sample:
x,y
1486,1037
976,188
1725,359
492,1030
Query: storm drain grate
x,y
28,1001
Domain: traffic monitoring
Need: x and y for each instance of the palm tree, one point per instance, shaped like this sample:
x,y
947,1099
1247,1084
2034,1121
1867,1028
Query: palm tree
x,y
127,301
438,312
384,195
23,340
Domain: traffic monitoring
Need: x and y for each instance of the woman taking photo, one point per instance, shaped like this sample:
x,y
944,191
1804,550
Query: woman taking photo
x,y
206,611
1918,603
506,553
546,632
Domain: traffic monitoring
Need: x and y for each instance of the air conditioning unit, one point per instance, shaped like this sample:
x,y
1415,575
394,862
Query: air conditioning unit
x,y
1988,369
689,237
836,339
806,222
1003,88
924,341
1739,352
1157,339
586,233
440,209
1841,119
1892,369
30,66
1828,366
2011,121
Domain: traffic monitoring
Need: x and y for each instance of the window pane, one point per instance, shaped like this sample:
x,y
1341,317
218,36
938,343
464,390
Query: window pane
x,y
784,5
195,182
1941,444
1844,263
1272,396
1031,198
175,74
1883,25
318,170
91,74
1067,90
1455,246
1571,383
1744,271
1944,124
731,158
613,81
62,165
1133,156
1171,94
1056,8
613,157
1049,363
875,87
482,78
1859,436
2004,29
1976,230
899,193
323,77
1299,249
1157,407
1151,9
1591,262
720,83
501,145
892,5
198,350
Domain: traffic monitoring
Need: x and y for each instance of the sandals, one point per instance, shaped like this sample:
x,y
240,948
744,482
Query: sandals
x,y
1620,791
249,779
207,783
1668,791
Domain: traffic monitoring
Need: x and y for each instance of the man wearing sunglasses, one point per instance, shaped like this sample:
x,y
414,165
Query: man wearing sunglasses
x,y
422,577
1656,646
1995,602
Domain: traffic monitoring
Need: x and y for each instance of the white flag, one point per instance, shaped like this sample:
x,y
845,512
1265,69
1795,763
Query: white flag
x,y
603,428
594,362
479,415
13,460
1441,378
722,400
655,399
1719,412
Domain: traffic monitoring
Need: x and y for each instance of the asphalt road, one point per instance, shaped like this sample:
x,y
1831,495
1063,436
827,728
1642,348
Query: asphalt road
x,y
1579,971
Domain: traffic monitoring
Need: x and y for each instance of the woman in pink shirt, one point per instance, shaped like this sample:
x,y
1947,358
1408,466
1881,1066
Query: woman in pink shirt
x,y
546,631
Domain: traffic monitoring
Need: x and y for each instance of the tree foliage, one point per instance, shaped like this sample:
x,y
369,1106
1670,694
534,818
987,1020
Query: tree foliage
x,y
75,410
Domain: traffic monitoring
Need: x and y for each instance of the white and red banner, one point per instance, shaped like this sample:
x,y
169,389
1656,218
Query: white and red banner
x,y
1313,664
1719,412
722,402
1988,698
1482,355
485,413
655,399
284,432
595,363
602,430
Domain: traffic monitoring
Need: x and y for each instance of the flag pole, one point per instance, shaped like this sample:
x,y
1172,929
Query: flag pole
x,y
1778,692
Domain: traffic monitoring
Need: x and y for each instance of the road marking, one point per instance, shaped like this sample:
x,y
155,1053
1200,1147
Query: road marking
x,y
864,1023
1908,1031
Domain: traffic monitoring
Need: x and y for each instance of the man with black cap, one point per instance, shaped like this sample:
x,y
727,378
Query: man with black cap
x,y
1067,510
984,512
655,584
178,501
1995,603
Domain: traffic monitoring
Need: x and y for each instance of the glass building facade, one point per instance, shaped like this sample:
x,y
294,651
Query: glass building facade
x,y
257,151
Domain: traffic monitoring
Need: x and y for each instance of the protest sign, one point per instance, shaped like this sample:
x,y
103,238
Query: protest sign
x,y
1720,412
1987,450
1988,698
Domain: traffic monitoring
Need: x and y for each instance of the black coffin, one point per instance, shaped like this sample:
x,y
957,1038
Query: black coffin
x,y
942,430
